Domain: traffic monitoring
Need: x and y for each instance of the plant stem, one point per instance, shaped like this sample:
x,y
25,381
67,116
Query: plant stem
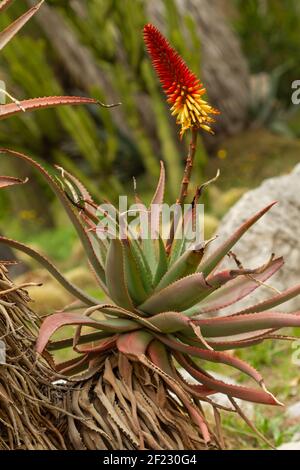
x,y
185,182
188,168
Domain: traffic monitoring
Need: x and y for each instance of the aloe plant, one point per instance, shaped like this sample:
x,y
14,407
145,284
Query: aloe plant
x,y
163,296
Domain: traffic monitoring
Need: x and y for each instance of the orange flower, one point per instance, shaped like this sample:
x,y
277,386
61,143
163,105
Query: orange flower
x,y
183,89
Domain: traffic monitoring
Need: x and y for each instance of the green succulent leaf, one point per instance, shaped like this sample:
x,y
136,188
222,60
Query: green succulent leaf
x,y
143,266
81,196
226,344
148,242
148,248
273,301
178,296
243,323
238,344
162,264
133,276
209,264
170,322
158,197
160,356
179,241
134,344
237,289
57,320
237,391
211,356
115,275
184,266
113,310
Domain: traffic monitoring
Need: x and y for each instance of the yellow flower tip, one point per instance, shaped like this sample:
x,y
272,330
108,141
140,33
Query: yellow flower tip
x,y
193,112
207,128
222,154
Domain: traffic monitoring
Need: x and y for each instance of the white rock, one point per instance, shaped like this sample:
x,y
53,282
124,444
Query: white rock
x,y
290,446
296,437
276,232
293,411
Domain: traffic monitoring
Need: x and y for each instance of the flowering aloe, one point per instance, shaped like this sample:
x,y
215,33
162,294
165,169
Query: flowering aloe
x,y
160,313
183,89
162,305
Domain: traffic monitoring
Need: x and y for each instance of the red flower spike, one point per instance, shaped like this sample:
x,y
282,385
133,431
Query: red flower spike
x,y
183,89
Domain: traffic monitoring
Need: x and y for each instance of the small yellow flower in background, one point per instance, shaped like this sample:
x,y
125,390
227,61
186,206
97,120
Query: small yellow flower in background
x,y
222,154
27,215
183,89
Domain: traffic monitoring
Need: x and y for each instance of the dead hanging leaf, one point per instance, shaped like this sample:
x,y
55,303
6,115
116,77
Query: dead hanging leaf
x,y
129,417
29,401
6,181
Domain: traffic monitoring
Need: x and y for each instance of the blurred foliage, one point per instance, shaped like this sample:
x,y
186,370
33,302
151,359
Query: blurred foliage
x,y
63,135
269,32
294,121
255,154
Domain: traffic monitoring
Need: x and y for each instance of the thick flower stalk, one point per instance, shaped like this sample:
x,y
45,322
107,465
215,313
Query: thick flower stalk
x,y
183,89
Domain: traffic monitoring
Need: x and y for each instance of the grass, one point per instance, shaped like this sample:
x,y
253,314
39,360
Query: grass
x,y
57,243
274,361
